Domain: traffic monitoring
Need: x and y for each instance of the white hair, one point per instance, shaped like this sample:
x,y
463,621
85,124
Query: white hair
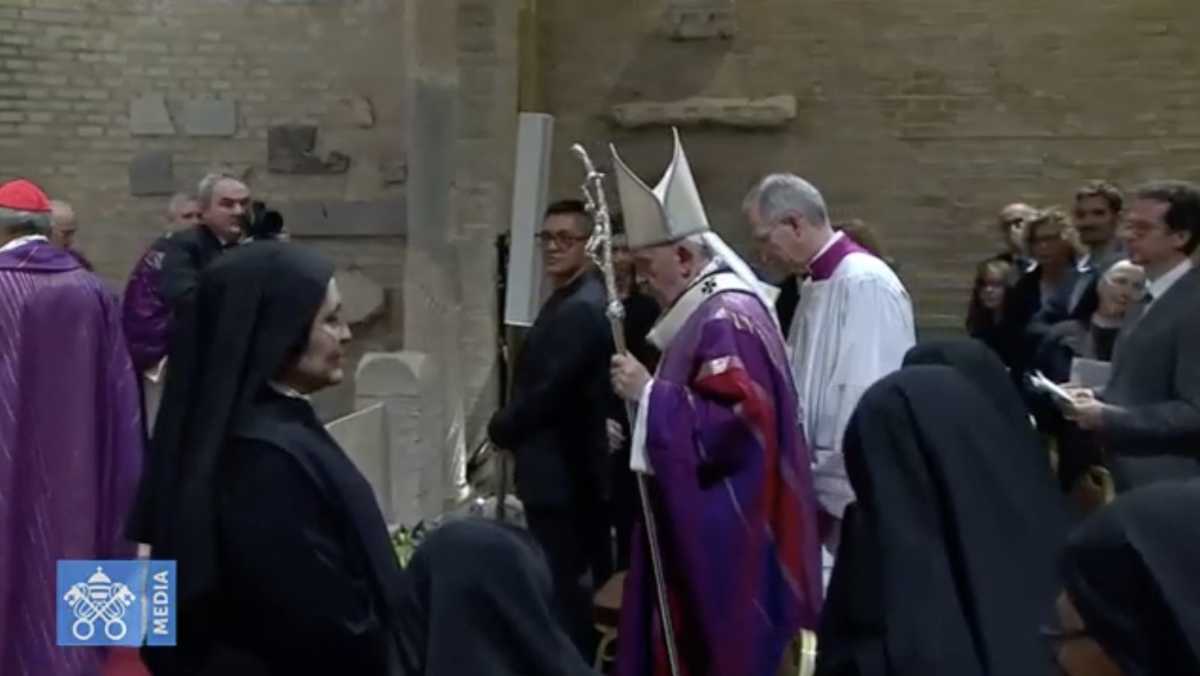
x,y
698,245
779,194
204,191
15,220
178,200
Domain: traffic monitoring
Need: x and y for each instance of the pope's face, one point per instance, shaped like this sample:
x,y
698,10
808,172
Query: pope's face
x,y
667,270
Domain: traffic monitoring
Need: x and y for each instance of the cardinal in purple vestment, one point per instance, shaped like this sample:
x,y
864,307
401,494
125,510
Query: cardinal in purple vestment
x,y
70,432
717,436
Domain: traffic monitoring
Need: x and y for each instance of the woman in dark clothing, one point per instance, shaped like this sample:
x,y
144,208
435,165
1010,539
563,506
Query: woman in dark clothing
x,y
1094,334
947,561
285,565
1131,604
487,613
982,368
1048,238
985,314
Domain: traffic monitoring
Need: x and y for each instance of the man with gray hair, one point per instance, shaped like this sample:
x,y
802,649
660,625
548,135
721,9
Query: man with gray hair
x,y
70,431
64,225
852,327
224,212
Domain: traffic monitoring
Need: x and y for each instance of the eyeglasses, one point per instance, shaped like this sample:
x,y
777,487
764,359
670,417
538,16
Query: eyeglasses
x,y
1142,229
562,239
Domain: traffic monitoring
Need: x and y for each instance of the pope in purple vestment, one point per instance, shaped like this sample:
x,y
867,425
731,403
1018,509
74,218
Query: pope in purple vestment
x,y
70,435
717,435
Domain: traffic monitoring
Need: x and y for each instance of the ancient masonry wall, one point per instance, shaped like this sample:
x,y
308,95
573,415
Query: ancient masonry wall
x,y
921,117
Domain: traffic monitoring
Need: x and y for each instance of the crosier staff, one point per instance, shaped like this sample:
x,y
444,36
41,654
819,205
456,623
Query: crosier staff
x,y
599,249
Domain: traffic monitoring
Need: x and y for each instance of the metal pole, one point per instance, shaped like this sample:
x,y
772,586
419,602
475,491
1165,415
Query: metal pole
x,y
600,251
502,456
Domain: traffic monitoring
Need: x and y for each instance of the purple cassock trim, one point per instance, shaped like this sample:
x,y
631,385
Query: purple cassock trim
x,y
822,267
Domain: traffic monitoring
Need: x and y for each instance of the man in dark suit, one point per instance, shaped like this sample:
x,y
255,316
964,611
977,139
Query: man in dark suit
x,y
555,421
224,207
1148,416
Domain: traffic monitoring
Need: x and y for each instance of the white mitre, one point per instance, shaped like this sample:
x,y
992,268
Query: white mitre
x,y
673,210
669,212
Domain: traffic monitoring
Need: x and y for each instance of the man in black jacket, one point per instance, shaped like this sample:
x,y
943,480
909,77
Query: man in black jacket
x,y
555,420
224,206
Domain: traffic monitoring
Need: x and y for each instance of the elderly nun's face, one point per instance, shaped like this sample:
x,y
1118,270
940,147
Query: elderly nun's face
x,y
321,363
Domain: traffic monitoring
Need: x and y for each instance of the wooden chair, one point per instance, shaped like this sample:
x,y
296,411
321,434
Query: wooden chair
x,y
606,614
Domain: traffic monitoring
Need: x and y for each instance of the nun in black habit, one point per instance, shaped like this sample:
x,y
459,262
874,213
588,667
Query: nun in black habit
x,y
1132,602
284,560
947,559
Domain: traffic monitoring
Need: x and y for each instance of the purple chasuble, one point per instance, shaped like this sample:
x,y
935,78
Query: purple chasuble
x,y
732,493
146,314
70,446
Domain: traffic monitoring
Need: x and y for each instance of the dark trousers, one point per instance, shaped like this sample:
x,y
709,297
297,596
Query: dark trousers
x,y
569,540
626,503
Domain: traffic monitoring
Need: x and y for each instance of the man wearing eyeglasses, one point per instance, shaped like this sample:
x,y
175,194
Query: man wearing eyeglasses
x,y
1148,416
555,421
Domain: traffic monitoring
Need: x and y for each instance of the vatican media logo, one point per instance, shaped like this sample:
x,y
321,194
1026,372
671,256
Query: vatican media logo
x,y
119,602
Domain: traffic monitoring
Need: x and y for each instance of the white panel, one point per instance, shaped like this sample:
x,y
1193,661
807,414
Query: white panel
x,y
535,138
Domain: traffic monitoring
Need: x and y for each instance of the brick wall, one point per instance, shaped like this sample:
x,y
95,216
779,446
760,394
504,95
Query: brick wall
x,y
922,117
69,70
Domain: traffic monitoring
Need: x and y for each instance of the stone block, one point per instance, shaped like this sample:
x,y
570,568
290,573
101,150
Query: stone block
x,y
405,383
393,170
148,116
354,111
208,117
364,436
700,20
767,113
344,218
291,150
151,173
362,298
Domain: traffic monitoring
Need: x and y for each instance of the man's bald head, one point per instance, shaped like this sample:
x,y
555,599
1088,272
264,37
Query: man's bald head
x,y
63,224
1012,221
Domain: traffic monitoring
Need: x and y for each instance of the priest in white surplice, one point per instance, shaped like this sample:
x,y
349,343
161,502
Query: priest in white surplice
x,y
852,327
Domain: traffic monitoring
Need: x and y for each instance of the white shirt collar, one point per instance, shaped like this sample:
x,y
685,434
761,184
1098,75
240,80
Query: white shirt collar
x,y
1160,286
1085,263
837,235
22,241
287,391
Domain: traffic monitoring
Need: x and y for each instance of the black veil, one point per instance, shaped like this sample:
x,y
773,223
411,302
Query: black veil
x,y
948,558
252,314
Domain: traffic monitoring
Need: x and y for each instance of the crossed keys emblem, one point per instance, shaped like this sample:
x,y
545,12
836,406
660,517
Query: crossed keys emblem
x,y
99,598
